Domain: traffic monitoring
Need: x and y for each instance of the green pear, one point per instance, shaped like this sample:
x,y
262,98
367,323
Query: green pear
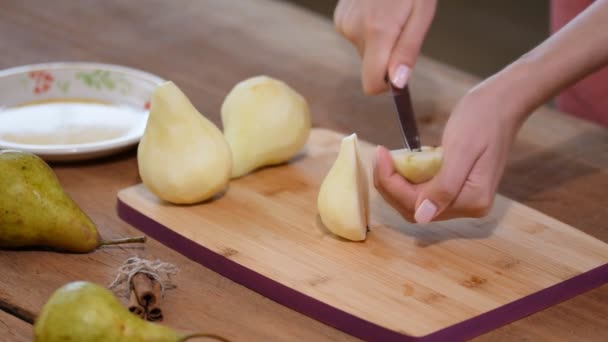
x,y
343,200
183,157
35,211
84,311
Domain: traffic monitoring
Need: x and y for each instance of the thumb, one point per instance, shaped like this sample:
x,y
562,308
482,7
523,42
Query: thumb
x,y
406,50
438,193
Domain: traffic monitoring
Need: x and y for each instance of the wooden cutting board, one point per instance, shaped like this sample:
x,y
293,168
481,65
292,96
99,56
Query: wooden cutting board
x,y
448,280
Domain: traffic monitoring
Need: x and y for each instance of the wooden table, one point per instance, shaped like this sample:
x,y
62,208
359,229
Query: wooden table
x,y
559,164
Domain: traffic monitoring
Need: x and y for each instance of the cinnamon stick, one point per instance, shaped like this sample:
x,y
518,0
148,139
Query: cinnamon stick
x,y
135,307
155,314
154,311
144,289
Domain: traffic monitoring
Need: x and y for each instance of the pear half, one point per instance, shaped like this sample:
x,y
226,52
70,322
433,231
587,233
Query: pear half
x,y
418,166
182,157
265,121
343,200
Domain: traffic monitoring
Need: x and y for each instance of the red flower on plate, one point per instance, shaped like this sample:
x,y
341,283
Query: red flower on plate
x,y
42,81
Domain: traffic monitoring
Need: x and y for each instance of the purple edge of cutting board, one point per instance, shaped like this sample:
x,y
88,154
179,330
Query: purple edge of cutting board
x,y
349,323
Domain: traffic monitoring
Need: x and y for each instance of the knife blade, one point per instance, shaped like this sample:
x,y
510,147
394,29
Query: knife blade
x,y
407,118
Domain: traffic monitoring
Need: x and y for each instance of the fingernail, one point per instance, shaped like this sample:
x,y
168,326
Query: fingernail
x,y
425,212
402,73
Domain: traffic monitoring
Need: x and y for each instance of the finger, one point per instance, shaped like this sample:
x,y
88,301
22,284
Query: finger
x,y
472,201
476,197
379,41
479,191
346,20
400,194
339,14
437,194
407,214
406,50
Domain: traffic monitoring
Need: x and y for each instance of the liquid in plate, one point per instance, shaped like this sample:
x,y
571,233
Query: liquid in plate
x,y
68,123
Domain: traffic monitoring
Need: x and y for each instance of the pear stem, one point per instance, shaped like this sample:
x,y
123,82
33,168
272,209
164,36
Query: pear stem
x,y
187,337
139,239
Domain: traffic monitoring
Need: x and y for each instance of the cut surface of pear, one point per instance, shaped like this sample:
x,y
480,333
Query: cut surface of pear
x,y
343,200
418,166
183,157
35,211
266,122
84,311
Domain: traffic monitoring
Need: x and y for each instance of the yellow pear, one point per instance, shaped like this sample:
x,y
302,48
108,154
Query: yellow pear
x,y
343,200
265,122
183,157
418,166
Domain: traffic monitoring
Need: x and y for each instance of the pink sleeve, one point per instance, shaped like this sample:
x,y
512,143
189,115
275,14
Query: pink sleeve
x,y
588,98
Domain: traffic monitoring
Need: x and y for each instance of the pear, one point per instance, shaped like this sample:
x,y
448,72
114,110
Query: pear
x,y
418,166
266,122
84,311
343,200
182,157
35,211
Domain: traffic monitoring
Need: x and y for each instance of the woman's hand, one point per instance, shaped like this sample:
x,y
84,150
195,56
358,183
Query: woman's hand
x,y
482,127
388,35
476,142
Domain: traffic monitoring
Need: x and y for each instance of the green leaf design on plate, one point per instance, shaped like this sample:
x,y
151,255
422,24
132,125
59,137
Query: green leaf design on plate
x,y
125,86
63,86
103,79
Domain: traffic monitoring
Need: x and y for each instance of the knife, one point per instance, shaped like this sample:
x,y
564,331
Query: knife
x,y
407,119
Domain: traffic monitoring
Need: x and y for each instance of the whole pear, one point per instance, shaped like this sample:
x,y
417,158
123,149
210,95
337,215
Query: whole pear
x,y
418,166
182,157
35,211
343,200
84,311
266,122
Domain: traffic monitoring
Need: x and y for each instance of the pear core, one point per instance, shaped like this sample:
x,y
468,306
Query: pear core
x,y
418,166
343,200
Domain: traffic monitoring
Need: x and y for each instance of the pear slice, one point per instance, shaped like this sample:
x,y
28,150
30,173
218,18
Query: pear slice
x,y
343,200
265,121
418,166
183,157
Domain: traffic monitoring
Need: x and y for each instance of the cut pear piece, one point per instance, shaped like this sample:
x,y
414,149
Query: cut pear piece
x,y
343,201
265,121
418,166
183,157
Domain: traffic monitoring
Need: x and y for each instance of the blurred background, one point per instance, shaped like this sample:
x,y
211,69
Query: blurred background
x,y
477,36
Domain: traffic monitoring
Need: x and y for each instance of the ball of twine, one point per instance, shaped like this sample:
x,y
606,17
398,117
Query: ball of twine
x,y
157,270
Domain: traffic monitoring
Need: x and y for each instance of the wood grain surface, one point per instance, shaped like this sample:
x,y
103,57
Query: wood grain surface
x,y
12,329
404,278
558,165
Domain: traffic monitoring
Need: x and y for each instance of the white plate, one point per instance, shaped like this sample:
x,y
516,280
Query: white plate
x,y
73,111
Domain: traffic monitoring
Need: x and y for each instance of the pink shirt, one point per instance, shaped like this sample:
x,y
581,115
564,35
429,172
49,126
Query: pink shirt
x,y
588,98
